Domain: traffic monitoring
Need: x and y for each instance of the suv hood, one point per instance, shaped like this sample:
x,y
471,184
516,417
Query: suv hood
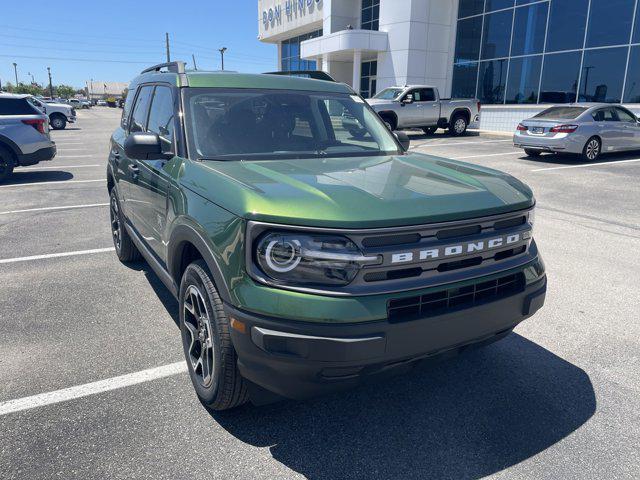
x,y
361,192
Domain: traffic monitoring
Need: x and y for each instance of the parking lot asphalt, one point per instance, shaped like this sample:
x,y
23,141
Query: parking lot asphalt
x,y
559,398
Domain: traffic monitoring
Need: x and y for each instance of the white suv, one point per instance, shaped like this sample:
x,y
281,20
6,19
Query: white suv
x,y
59,113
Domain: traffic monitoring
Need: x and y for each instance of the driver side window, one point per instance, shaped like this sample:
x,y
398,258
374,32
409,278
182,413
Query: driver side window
x,y
138,121
161,114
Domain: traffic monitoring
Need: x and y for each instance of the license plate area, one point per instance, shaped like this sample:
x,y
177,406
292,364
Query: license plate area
x,y
537,130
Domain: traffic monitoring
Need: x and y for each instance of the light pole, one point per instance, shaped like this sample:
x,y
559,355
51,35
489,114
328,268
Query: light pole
x,y
50,84
222,50
15,70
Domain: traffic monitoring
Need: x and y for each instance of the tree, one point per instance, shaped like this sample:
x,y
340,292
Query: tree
x,y
30,89
124,94
65,91
9,87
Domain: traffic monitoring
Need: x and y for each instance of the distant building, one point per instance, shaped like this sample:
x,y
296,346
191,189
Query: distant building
x,y
99,89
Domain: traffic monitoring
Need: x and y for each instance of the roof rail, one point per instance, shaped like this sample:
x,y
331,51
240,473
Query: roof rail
x,y
175,67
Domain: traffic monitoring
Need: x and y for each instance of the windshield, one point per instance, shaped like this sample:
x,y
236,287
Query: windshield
x,y
228,124
389,94
561,112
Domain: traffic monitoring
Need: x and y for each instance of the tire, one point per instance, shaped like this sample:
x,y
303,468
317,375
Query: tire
x,y
214,373
58,121
125,248
458,125
532,153
7,163
429,130
390,122
592,150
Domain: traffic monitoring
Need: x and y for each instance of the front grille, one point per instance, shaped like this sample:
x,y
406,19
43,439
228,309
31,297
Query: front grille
x,y
453,299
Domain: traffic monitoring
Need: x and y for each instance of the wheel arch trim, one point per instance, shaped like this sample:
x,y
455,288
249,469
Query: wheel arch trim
x,y
185,234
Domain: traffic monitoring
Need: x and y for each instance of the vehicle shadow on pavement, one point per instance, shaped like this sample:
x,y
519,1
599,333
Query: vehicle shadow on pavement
x,y
25,177
568,159
466,418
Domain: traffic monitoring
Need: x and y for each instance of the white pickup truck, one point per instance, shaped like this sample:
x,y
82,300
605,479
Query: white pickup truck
x,y
420,106
59,113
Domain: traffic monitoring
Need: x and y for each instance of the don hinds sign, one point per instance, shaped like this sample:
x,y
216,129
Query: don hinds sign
x,y
289,9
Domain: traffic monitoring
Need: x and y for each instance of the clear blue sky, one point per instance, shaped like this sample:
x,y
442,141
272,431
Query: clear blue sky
x,y
119,38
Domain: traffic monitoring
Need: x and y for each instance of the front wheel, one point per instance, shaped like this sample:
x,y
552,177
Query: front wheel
x,y
592,149
206,340
125,249
58,122
458,125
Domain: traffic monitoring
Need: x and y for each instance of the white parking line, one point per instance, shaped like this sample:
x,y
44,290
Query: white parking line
x,y
433,145
75,156
586,165
58,142
44,209
93,388
56,255
17,185
488,155
33,169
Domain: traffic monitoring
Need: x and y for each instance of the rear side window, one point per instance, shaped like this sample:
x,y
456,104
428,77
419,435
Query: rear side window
x,y
141,108
625,115
427,95
17,106
161,115
131,94
561,112
605,115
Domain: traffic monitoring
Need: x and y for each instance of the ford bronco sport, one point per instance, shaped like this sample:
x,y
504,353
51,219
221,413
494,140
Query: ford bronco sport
x,y
306,260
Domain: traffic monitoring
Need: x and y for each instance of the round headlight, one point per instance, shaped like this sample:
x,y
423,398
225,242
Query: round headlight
x,y
282,255
303,259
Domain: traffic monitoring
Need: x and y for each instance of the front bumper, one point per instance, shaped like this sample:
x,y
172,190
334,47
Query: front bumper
x,y
71,119
302,359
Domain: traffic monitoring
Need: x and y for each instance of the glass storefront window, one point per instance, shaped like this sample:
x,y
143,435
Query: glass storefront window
x,y
603,75
491,84
524,79
567,21
491,5
468,39
497,34
464,80
370,14
290,52
632,87
610,22
529,28
560,77
466,8
369,71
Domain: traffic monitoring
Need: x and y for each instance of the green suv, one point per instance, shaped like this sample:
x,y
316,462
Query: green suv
x,y
305,259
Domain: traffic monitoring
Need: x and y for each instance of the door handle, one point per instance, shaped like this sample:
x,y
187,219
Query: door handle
x,y
134,170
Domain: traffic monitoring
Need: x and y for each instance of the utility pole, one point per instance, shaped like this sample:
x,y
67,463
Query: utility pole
x,y
50,84
195,66
33,80
222,50
15,70
166,35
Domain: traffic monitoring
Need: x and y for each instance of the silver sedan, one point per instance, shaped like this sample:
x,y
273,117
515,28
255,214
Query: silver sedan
x,y
584,129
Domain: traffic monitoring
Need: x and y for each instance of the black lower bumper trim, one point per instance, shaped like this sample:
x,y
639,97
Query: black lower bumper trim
x,y
302,359
41,155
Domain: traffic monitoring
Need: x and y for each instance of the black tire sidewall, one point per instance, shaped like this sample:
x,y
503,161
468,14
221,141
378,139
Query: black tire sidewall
x,y
584,150
6,160
61,119
193,276
452,128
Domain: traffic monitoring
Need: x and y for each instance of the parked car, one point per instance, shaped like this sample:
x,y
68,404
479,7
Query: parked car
x,y
101,103
420,106
79,103
24,134
305,261
587,130
59,113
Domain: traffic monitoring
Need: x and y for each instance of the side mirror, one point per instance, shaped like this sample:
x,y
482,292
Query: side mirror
x,y
143,146
403,138
408,98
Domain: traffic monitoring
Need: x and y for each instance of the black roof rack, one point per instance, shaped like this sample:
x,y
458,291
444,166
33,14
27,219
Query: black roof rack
x,y
314,74
174,67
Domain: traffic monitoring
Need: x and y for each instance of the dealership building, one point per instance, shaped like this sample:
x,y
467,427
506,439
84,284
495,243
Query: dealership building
x,y
516,56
